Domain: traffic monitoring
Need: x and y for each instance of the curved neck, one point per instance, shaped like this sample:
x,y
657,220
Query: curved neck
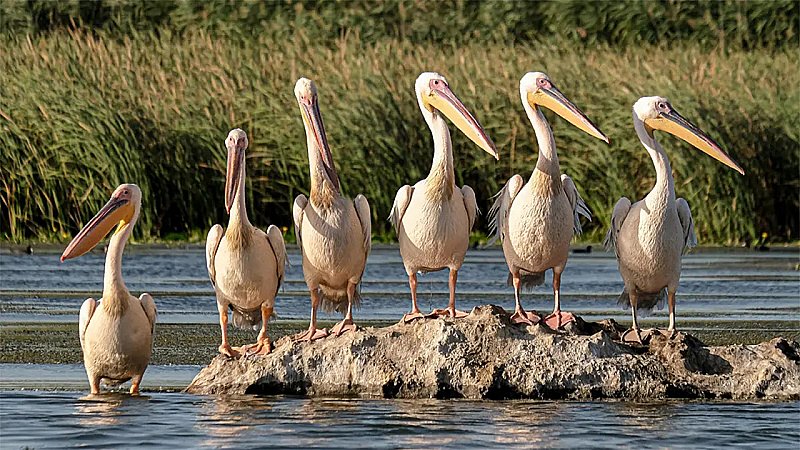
x,y
664,189
239,227
115,293
547,160
441,178
323,191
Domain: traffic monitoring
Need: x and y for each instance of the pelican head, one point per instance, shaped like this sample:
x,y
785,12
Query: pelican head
x,y
537,89
433,94
658,114
306,93
236,143
121,209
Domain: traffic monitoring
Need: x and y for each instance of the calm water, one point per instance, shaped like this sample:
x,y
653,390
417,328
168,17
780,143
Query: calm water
x,y
47,406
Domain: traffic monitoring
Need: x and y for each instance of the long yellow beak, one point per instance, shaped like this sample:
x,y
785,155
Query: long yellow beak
x,y
552,99
313,120
676,125
443,99
115,212
233,175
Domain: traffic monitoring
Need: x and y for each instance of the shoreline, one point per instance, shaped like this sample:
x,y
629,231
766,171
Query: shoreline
x,y
57,343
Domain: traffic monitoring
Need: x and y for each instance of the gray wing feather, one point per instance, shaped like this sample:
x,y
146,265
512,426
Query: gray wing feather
x,y
617,219
149,307
275,239
687,222
300,203
87,311
498,213
365,218
471,203
212,244
401,201
579,208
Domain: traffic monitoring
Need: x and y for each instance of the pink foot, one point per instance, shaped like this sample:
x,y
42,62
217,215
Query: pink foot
x,y
558,319
228,351
633,336
412,316
447,312
312,334
525,317
259,348
343,326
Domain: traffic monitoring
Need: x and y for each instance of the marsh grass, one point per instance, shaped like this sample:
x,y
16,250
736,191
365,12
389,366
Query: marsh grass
x,y
82,112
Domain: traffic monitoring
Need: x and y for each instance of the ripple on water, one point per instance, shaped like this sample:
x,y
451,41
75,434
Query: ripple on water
x,y
68,419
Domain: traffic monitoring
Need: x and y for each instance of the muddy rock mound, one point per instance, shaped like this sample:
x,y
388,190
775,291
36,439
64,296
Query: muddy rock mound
x,y
485,356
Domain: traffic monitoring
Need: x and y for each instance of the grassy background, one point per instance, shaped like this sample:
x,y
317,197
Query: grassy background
x,y
93,94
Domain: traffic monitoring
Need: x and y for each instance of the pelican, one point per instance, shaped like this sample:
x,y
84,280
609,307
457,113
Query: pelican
x,y
433,218
650,236
116,337
537,220
246,265
333,232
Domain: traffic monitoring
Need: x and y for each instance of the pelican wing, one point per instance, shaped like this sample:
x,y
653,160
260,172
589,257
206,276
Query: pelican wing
x,y
685,216
87,311
275,239
401,201
617,219
212,244
498,214
149,307
471,204
365,217
579,208
300,203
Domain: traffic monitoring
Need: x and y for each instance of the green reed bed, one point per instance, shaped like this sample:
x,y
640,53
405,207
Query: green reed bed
x,y
82,112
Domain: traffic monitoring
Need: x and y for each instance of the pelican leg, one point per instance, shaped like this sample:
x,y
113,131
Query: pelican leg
x,y
635,325
415,312
313,333
347,324
451,307
136,380
520,315
225,347
94,383
671,300
263,345
559,318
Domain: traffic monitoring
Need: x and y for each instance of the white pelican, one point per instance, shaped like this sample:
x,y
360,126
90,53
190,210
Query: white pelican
x,y
536,220
433,218
246,265
650,236
117,337
333,232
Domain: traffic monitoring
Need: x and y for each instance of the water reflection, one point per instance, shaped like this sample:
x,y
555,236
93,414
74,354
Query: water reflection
x,y
226,417
104,409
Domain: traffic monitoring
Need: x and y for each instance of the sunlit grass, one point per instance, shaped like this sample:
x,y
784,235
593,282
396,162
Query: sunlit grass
x,y
81,113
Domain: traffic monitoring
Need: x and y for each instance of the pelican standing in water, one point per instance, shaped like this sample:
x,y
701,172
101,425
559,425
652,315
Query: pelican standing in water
x,y
246,265
116,333
433,218
333,232
537,220
650,236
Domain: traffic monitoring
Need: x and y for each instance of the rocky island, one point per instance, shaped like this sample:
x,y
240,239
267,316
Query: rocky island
x,y
485,356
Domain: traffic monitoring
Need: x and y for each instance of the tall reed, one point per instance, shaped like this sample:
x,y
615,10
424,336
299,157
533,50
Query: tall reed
x,y
82,112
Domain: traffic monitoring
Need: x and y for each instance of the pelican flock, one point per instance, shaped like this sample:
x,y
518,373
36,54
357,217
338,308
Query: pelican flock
x,y
246,265
334,233
116,333
433,218
650,236
536,220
